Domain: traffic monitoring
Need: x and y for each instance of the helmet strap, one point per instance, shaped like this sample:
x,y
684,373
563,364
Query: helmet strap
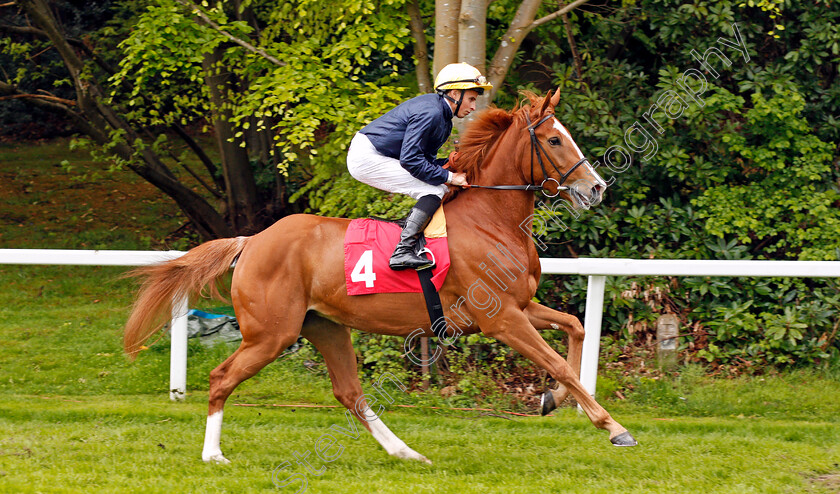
x,y
457,102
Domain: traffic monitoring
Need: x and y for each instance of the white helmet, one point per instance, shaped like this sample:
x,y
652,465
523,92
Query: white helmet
x,y
461,76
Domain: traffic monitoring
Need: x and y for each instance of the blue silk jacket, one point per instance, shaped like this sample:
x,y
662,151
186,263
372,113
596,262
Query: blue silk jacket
x,y
413,132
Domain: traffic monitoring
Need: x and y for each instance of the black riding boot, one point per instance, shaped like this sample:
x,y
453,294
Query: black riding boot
x,y
405,254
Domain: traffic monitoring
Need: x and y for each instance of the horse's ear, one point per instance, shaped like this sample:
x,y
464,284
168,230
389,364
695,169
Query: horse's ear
x,y
555,100
546,102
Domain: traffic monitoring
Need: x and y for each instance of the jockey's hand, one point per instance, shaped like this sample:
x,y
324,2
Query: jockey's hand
x,y
459,179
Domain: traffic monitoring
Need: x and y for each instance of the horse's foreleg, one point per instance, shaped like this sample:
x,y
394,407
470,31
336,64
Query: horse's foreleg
x,y
513,328
333,341
542,318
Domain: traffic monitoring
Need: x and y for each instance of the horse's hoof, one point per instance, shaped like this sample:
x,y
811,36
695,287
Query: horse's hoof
x,y
218,459
547,403
624,439
409,454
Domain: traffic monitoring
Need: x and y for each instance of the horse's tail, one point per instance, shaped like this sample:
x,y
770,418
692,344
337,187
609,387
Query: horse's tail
x,y
187,275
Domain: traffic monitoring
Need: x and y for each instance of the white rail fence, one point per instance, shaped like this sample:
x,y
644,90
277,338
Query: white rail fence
x,y
597,271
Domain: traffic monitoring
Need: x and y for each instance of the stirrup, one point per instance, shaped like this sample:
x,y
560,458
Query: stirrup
x,y
425,250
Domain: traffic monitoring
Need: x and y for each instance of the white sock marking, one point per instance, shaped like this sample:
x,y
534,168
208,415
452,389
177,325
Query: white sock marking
x,y
393,445
212,439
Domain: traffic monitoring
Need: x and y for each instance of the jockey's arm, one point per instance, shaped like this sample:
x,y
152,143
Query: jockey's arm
x,y
415,152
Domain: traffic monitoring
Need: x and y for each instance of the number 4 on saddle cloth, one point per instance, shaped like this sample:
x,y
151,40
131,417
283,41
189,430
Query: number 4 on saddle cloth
x,y
368,245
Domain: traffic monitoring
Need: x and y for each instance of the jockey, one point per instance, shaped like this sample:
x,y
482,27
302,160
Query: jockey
x,y
397,152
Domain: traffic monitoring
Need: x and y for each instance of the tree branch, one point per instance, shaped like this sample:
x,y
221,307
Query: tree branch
x,y
8,91
9,4
41,96
211,167
573,46
75,42
550,17
520,26
7,28
248,46
46,104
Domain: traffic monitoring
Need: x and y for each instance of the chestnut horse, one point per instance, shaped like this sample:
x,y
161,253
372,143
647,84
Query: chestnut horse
x,y
289,279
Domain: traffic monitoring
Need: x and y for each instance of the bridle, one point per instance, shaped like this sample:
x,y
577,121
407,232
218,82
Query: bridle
x,y
538,149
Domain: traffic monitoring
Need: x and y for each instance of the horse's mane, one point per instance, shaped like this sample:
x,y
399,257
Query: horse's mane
x,y
482,133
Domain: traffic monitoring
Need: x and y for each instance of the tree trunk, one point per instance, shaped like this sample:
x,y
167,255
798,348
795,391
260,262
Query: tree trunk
x,y
242,203
512,39
472,45
446,33
421,48
472,33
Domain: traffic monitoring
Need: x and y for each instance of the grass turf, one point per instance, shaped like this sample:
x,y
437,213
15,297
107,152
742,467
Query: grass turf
x,y
76,415
143,443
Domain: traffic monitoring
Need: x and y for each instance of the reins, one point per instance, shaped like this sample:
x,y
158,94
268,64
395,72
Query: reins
x,y
539,150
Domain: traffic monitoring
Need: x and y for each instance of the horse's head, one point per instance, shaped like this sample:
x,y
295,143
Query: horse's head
x,y
540,147
552,158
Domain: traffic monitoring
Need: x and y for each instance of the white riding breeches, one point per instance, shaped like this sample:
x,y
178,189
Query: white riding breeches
x,y
370,167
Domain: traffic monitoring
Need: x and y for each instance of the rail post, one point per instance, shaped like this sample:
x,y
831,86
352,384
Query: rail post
x,y
178,349
592,326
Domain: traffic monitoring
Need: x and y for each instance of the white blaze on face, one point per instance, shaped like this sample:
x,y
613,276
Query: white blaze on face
x,y
562,129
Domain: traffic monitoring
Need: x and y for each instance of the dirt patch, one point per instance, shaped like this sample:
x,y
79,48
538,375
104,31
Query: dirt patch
x,y
45,205
829,481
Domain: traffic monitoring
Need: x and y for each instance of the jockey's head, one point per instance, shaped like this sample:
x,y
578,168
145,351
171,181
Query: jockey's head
x,y
464,82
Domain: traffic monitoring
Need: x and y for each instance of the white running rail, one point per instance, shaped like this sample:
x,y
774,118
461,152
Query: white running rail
x,y
595,269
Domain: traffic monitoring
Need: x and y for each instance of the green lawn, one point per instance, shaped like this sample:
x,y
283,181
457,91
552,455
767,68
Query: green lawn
x,y
46,205
76,415
143,443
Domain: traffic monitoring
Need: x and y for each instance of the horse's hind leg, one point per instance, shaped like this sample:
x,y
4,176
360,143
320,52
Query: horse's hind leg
x,y
542,317
260,346
334,343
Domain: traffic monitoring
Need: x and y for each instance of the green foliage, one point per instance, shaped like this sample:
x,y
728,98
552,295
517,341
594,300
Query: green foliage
x,y
338,68
379,354
752,174
780,195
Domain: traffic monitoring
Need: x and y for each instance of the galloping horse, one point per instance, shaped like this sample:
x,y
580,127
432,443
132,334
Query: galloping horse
x,y
289,279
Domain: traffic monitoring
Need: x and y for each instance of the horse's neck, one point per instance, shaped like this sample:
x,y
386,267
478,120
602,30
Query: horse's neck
x,y
506,209
499,215
509,210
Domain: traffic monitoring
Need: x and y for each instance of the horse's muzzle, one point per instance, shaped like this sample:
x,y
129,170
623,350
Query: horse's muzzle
x,y
585,195
596,193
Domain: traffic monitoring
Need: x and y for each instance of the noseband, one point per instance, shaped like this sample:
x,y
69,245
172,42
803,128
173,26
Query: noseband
x,y
538,149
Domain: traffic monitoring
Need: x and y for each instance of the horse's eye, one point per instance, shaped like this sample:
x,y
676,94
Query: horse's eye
x,y
554,141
